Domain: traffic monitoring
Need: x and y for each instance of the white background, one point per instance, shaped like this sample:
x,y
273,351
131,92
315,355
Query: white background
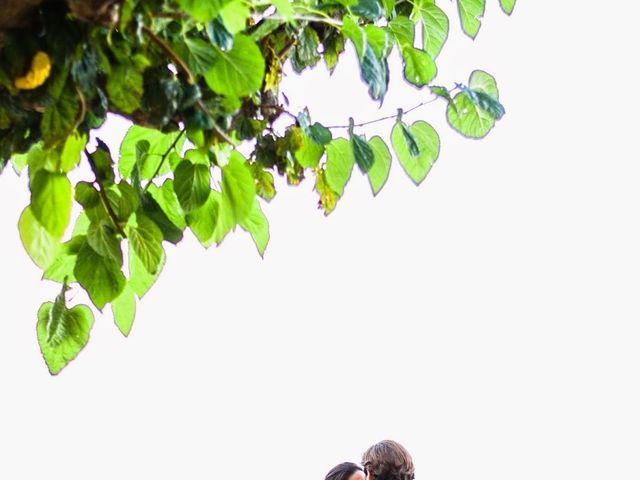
x,y
487,320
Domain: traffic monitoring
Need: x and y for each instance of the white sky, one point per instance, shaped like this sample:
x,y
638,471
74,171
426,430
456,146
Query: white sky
x,y
488,320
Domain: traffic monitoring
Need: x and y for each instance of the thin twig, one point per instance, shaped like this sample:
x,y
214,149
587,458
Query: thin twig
x,y
103,196
395,115
277,108
164,156
82,111
170,53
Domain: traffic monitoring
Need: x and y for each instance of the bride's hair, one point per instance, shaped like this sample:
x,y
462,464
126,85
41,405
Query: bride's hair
x,y
343,471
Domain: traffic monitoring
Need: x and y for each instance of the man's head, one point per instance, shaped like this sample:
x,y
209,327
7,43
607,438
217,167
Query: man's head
x,y
388,460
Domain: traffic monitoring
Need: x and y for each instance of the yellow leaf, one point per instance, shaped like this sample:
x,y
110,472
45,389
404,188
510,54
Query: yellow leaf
x,y
37,74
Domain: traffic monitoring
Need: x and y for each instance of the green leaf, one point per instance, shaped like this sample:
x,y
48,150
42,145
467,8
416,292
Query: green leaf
x,y
435,25
354,33
257,225
198,54
101,236
471,11
412,144
379,171
305,53
145,239
82,225
203,220
340,161
124,199
87,196
362,152
234,15
468,118
192,185
389,6
99,276
328,198
309,152
226,221
219,35
379,40
51,200
375,73
369,9
484,101
71,151
125,88
428,142
41,246
62,266
203,11
103,164
285,8
72,334
402,30
507,6
238,72
419,67
123,309
159,143
59,119
333,46
320,134
238,186
265,187
140,280
166,198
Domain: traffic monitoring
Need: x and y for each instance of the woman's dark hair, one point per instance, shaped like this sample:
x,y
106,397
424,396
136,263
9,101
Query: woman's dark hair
x,y
388,460
343,471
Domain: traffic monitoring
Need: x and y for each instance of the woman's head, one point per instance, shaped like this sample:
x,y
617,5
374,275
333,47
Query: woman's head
x,y
388,460
346,471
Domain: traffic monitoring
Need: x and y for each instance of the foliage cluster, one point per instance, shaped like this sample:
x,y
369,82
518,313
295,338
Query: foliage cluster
x,y
198,79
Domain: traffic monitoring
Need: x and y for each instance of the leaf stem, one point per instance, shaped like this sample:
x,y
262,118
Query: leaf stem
x,y
103,196
170,53
164,157
389,117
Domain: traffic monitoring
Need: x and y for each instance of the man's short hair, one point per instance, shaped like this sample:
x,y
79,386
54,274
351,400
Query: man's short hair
x,y
388,460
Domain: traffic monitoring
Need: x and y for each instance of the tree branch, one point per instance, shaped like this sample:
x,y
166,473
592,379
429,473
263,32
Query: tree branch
x,y
16,12
170,53
164,156
103,196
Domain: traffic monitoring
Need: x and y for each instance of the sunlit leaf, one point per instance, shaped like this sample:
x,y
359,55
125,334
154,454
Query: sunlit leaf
x,y
41,246
238,186
471,11
257,225
379,171
123,309
467,117
435,25
428,144
100,276
340,161
239,71
74,326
